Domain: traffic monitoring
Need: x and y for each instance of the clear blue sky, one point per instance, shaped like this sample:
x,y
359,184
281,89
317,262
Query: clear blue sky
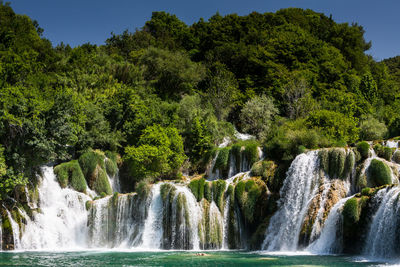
x,y
79,21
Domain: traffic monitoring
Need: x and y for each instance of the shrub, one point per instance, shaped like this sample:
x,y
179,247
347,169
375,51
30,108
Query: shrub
x,y
380,173
247,193
372,129
363,149
387,153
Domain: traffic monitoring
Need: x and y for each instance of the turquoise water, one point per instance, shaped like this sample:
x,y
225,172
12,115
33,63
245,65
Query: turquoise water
x,y
174,258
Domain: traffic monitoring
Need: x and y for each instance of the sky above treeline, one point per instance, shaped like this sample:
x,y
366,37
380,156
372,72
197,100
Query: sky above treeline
x,y
76,22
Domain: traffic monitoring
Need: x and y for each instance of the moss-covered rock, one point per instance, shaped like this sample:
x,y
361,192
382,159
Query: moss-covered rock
x,y
379,173
351,212
93,167
323,155
349,164
196,185
218,189
222,162
251,153
247,194
363,149
265,169
396,156
111,167
143,190
337,158
70,173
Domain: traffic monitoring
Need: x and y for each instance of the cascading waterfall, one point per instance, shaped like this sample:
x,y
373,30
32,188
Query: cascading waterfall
x,y
153,228
382,239
62,220
16,231
298,189
330,239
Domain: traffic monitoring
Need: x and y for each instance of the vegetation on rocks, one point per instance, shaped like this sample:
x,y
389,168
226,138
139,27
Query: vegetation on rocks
x,y
379,173
70,173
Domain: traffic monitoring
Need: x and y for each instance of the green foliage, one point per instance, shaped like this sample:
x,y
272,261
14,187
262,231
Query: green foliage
x,y
334,125
101,183
379,173
70,173
363,149
159,153
372,129
218,189
257,116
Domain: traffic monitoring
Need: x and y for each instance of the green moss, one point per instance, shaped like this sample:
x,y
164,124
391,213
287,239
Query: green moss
x,y
208,191
143,189
89,161
337,158
251,153
218,188
70,173
222,161
89,204
196,185
349,164
379,172
363,149
111,167
301,149
366,191
265,169
247,193
165,189
324,159
236,152
387,153
350,211
396,156
101,183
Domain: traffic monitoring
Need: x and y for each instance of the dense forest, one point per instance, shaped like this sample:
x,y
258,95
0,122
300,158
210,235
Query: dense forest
x,y
163,97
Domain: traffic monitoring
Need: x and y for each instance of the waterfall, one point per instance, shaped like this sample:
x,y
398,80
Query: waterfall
x,y
330,240
153,228
381,238
16,231
61,224
298,189
316,229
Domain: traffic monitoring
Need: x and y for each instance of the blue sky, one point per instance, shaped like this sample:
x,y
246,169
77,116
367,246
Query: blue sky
x,y
79,21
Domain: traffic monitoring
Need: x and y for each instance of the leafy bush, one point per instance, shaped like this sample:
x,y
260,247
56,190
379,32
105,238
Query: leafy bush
x,y
111,167
372,129
265,169
366,191
379,173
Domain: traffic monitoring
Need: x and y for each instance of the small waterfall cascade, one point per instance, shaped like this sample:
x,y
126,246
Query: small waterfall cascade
x,y
382,238
16,231
298,189
331,238
309,193
153,227
62,220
